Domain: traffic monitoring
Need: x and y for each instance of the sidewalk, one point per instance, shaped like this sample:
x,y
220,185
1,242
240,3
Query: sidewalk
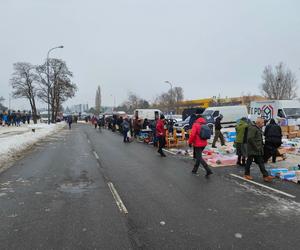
x,y
15,139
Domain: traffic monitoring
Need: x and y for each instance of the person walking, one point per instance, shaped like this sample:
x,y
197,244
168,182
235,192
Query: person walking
x,y
70,121
218,133
273,140
241,141
199,143
161,134
255,150
125,129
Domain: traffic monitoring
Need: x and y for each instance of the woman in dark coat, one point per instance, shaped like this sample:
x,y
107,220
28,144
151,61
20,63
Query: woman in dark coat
x,y
273,140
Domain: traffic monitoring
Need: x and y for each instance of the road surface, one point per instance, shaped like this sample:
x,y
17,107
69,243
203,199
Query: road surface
x,y
85,189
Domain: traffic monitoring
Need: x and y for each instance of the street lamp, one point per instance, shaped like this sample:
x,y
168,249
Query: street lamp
x,y
48,79
171,86
114,101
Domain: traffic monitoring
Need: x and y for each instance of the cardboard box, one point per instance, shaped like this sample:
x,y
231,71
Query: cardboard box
x,y
285,129
281,151
292,135
298,133
292,128
285,133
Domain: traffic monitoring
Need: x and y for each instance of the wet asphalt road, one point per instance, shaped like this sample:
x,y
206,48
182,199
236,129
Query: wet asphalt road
x,y
57,197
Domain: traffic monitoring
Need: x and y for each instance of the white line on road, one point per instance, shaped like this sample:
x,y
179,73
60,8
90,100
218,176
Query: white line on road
x,y
264,186
117,198
96,156
170,152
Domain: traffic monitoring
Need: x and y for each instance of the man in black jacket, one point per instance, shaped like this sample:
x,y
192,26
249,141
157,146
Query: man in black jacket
x,y
273,137
218,133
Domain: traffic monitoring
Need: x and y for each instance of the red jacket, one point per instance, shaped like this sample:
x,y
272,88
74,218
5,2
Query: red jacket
x,y
195,139
160,128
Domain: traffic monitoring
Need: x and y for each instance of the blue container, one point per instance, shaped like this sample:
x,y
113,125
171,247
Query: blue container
x,y
230,139
231,134
277,171
288,175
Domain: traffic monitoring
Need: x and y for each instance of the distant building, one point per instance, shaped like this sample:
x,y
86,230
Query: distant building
x,y
79,108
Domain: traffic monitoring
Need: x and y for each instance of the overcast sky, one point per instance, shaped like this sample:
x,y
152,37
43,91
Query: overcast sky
x,y
207,47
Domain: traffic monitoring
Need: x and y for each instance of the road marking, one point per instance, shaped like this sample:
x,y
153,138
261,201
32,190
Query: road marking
x,y
170,152
264,186
96,156
117,198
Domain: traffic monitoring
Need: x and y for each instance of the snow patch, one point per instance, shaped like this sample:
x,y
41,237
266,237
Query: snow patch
x,y
15,139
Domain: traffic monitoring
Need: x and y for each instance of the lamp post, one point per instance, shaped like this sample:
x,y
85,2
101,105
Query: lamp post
x,y
114,101
48,79
171,86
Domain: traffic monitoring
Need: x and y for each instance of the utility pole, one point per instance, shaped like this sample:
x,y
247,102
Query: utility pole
x,y
171,86
48,80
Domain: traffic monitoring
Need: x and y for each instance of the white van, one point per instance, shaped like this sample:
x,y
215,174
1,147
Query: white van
x,y
149,114
44,116
277,109
231,114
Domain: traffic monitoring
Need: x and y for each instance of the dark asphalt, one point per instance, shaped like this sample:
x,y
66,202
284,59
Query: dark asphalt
x,y
57,197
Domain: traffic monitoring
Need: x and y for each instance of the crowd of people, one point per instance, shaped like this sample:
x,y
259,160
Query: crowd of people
x,y
250,145
14,118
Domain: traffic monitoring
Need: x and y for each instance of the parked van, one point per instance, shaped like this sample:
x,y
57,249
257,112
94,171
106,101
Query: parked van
x,y
231,114
149,114
277,109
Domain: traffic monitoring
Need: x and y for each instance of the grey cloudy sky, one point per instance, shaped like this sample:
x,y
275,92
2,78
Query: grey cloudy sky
x,y
206,47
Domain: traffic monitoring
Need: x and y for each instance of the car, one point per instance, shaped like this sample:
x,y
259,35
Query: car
x,y
183,125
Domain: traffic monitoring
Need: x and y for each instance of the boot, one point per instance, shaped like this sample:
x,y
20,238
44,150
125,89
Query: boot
x,y
208,173
195,169
268,178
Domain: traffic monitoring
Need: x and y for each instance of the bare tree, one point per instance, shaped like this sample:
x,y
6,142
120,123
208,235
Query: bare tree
x,y
60,85
23,82
2,107
280,84
169,100
98,101
133,102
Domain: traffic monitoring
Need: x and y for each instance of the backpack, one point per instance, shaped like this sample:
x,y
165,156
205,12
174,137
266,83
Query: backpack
x,y
205,132
125,125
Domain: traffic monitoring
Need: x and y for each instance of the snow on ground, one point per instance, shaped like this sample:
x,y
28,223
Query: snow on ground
x,y
15,139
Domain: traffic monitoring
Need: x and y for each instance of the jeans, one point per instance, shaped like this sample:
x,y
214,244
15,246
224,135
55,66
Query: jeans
x,y
218,134
259,160
125,137
162,143
199,160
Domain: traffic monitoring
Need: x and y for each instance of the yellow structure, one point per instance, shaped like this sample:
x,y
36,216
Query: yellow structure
x,y
204,103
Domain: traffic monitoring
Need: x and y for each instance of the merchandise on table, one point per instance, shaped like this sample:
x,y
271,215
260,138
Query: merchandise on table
x,y
278,171
289,175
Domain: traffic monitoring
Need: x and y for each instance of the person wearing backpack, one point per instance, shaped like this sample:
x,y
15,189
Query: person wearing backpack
x,y
255,150
198,139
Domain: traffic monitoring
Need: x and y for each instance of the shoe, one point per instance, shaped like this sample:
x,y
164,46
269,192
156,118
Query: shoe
x,y
268,179
248,177
208,173
194,172
213,146
163,155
